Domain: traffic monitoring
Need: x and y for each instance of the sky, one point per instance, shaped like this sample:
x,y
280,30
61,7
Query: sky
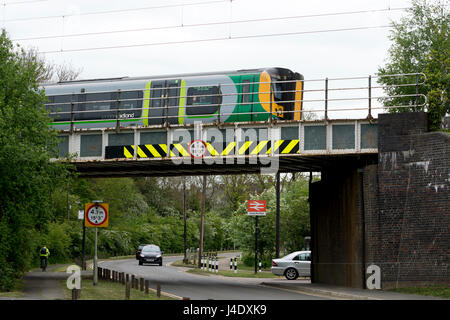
x,y
185,36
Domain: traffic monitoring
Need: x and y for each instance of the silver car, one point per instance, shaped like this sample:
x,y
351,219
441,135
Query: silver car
x,y
293,265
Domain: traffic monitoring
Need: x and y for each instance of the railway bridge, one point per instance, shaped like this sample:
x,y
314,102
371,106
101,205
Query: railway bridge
x,y
383,198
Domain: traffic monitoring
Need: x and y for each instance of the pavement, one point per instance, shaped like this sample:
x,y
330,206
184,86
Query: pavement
x,y
46,285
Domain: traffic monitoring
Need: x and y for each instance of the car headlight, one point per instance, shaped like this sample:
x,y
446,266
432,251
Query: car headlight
x,y
142,255
158,256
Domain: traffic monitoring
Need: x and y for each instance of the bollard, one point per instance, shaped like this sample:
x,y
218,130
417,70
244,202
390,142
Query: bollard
x,y
209,263
259,265
235,264
123,277
141,284
127,289
99,272
132,281
231,263
217,265
76,294
127,278
158,290
147,284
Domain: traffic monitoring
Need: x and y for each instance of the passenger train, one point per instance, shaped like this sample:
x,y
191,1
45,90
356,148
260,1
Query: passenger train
x,y
233,96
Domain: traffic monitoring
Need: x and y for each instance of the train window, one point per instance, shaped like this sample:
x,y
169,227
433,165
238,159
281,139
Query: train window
x,y
246,91
202,100
277,88
132,108
156,94
59,107
95,106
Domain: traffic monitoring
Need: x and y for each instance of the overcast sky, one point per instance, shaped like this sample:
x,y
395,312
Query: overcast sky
x,y
157,50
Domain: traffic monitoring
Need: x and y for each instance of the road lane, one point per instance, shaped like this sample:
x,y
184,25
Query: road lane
x,y
177,282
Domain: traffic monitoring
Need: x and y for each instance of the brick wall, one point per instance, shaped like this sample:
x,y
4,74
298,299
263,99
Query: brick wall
x,y
408,219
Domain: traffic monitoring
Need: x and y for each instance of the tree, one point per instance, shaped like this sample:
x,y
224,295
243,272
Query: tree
x,y
420,43
50,72
28,177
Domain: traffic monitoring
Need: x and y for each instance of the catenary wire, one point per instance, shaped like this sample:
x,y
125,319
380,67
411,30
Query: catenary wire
x,y
203,24
213,39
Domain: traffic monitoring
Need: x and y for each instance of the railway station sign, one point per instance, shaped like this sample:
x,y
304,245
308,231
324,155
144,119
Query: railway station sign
x,y
96,215
256,207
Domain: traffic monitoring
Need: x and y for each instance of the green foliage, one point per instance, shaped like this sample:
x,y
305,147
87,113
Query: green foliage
x,y
28,178
420,43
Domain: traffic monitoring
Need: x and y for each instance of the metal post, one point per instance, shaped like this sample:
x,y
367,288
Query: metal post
x,y
83,246
202,220
231,263
235,264
95,258
117,112
370,97
277,218
71,114
256,244
184,218
326,99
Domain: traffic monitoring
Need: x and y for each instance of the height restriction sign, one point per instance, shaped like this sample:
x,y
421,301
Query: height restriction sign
x,y
96,215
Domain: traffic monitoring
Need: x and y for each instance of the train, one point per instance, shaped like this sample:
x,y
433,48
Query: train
x,y
229,96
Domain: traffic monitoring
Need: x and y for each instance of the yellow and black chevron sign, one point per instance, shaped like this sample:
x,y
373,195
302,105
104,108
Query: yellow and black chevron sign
x,y
264,147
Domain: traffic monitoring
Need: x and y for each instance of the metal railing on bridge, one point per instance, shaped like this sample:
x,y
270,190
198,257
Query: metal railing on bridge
x,y
324,101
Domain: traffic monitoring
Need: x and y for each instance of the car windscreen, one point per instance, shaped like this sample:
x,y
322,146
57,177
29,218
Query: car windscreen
x,y
151,249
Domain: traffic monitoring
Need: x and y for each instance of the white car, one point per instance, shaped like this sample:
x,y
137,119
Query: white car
x,y
293,265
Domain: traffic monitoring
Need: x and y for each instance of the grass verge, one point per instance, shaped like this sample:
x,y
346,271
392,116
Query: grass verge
x,y
106,290
17,291
435,291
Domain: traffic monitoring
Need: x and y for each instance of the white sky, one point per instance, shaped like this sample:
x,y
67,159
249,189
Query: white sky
x,y
315,55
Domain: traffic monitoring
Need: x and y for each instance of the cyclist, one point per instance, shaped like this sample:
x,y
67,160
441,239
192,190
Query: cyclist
x,y
44,253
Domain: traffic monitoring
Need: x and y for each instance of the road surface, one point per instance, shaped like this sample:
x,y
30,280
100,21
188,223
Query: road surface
x,y
176,281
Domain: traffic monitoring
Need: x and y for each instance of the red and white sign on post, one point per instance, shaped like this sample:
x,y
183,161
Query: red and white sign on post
x,y
256,207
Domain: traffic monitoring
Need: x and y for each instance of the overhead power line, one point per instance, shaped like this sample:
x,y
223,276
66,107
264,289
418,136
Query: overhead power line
x,y
22,2
205,24
212,39
58,16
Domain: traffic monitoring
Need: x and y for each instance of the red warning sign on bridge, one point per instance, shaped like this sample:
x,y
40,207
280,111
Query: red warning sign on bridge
x,y
256,207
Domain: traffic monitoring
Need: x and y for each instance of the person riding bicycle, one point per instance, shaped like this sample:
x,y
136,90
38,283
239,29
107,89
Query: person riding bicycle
x,y
44,253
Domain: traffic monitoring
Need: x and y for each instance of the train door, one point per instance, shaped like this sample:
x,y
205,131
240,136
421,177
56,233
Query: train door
x,y
245,99
173,94
156,113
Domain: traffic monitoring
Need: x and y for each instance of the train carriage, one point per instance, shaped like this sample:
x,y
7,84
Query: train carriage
x,y
235,96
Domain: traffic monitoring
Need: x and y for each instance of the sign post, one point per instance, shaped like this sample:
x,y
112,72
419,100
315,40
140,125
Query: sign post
x,y
97,216
256,208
